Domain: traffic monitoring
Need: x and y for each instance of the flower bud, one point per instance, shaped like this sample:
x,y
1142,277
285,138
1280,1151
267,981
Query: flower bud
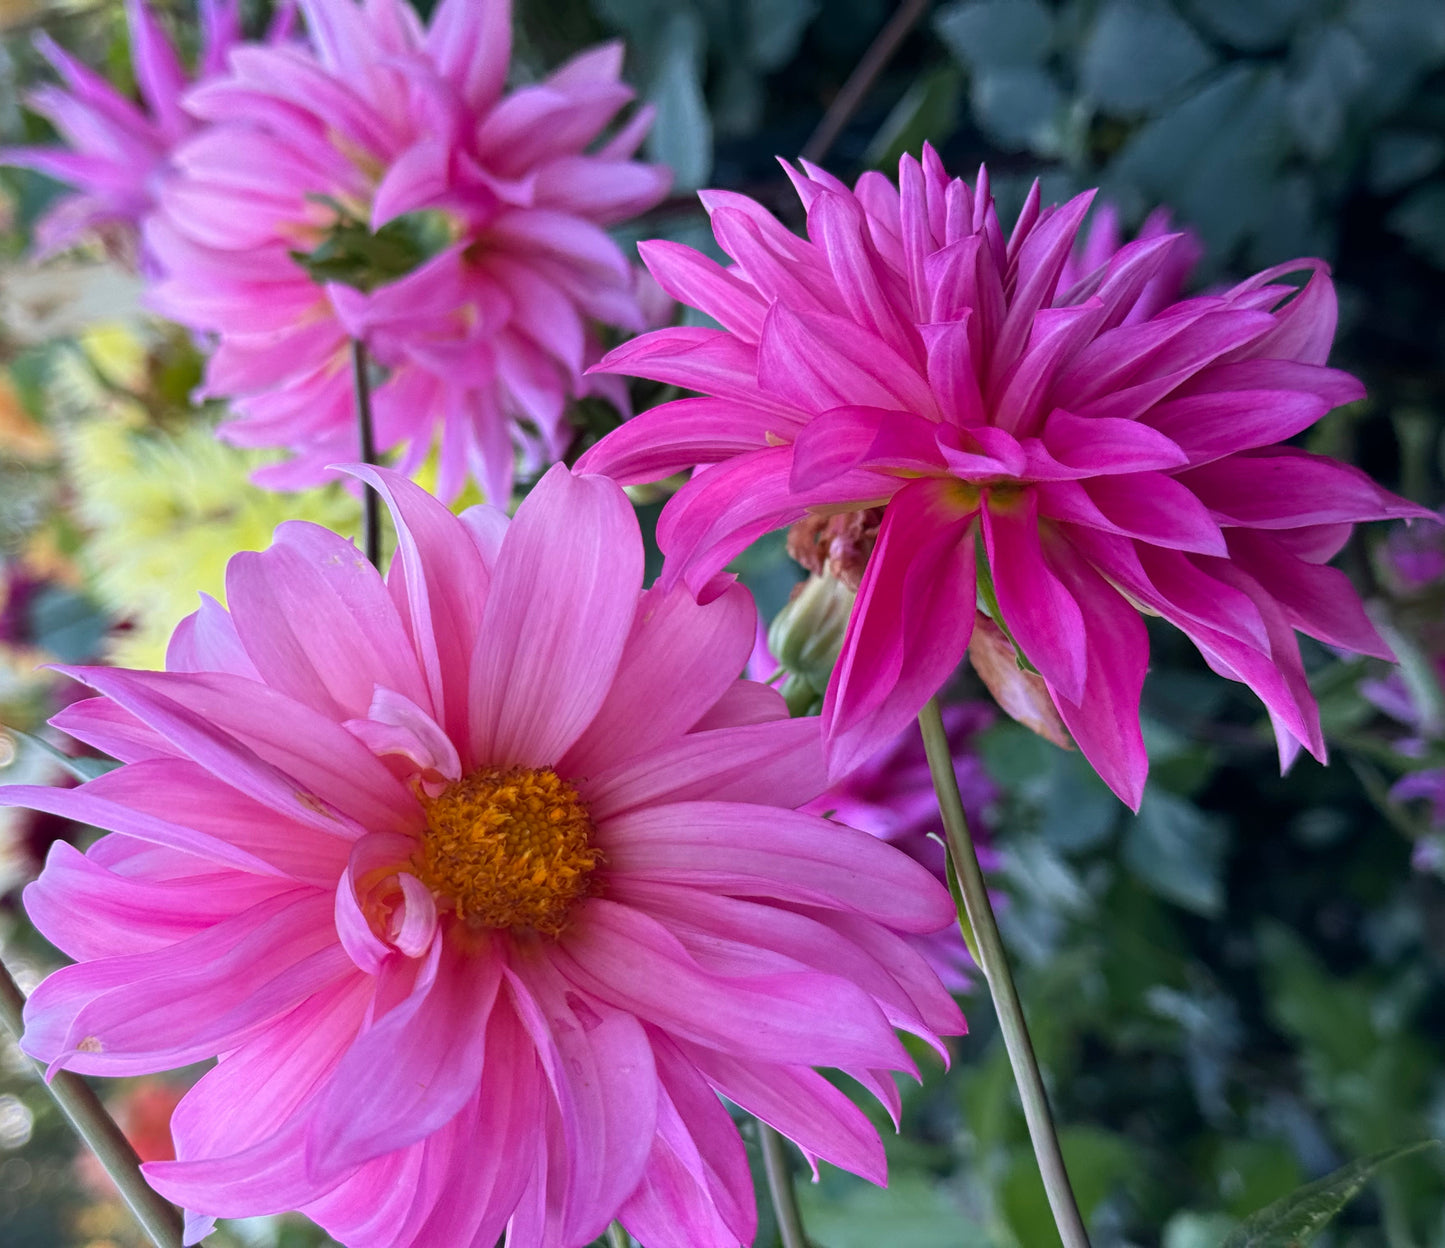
x,y
807,634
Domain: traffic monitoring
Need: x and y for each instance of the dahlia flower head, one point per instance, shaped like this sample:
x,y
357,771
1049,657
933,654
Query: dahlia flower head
x,y
1062,454
118,150
484,342
483,880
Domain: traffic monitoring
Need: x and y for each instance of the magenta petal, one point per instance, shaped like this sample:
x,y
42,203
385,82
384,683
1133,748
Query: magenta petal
x,y
910,625
694,279
1318,600
1104,719
1038,610
565,591
419,1062
673,437
1284,488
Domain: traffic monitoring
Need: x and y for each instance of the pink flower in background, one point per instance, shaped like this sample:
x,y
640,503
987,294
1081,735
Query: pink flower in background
x,y
891,795
483,881
1097,448
118,150
486,340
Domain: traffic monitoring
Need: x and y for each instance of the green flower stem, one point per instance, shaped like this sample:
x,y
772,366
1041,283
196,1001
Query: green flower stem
x,y
617,1237
995,967
370,500
161,1220
780,1188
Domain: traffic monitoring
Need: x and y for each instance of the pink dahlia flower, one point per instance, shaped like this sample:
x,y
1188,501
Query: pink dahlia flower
x,y
118,150
483,881
486,340
1094,447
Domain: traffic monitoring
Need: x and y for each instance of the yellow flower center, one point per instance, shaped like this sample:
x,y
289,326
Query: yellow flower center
x,y
510,847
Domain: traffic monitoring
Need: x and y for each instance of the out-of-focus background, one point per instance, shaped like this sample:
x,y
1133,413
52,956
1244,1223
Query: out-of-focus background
x,y
1236,991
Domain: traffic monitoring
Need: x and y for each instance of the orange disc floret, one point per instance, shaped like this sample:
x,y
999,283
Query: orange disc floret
x,y
510,848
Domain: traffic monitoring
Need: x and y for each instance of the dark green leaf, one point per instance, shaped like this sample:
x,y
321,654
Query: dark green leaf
x,y
1019,107
928,110
1294,1220
682,134
1178,851
1139,54
67,624
996,33
1420,219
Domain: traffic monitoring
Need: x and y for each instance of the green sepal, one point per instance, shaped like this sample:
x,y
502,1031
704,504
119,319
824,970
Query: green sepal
x,y
955,890
988,604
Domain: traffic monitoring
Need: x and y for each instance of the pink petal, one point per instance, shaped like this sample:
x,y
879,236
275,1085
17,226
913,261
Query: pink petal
x,y
207,641
169,1007
420,1062
802,1105
910,625
1104,719
88,911
1038,611
696,1191
470,41
318,622
564,594
443,584
600,1065
634,963
776,763
679,659
263,743
738,849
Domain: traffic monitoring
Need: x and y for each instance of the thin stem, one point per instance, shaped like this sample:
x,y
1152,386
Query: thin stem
x,y
860,81
618,1237
780,1188
1000,980
159,1218
370,500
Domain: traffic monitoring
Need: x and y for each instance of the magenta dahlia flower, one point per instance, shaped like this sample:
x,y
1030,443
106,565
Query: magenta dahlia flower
x,y
483,341
482,881
1091,448
118,150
